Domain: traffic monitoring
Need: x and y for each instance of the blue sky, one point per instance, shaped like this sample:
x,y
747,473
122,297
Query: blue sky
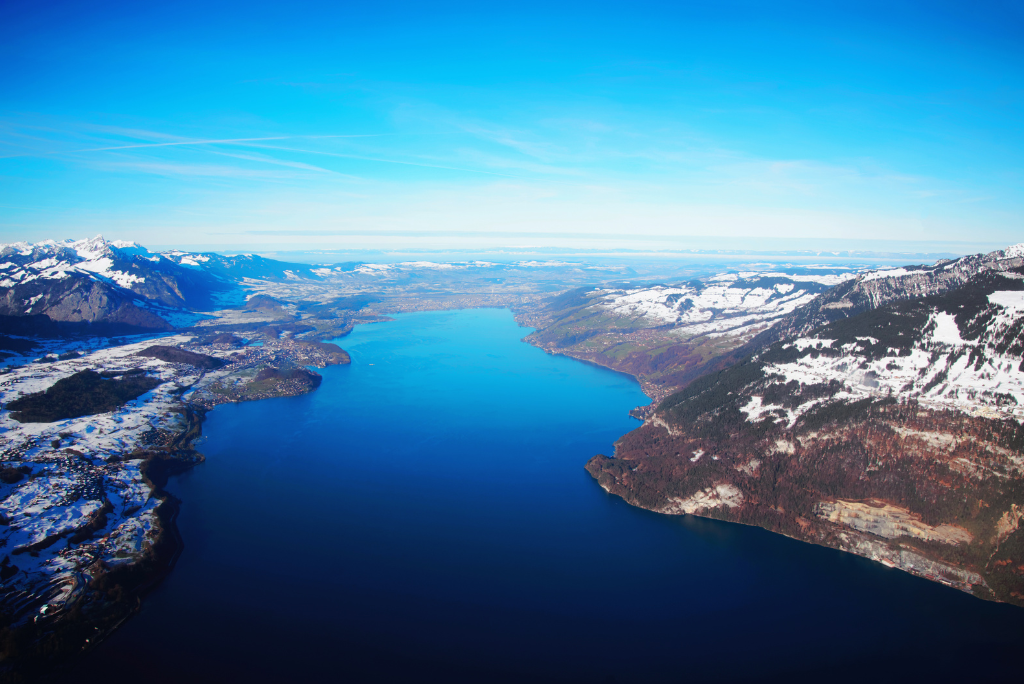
x,y
440,125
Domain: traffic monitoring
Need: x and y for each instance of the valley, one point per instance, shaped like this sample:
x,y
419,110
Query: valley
x,y
875,411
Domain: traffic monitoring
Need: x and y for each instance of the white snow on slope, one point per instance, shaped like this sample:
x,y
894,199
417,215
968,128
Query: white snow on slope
x,y
546,264
373,269
828,279
66,488
945,329
431,265
939,372
890,273
1008,299
93,257
103,267
731,305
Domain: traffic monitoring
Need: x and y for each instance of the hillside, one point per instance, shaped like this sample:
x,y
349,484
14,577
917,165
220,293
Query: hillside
x,y
177,355
894,433
669,335
659,332
117,284
83,394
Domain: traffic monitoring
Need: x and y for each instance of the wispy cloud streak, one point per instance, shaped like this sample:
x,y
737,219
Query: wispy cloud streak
x,y
386,161
181,143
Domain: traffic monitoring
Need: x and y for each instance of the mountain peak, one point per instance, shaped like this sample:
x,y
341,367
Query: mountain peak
x,y
90,249
1014,251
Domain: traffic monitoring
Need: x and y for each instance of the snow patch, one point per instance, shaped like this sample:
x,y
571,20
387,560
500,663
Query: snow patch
x,y
946,330
1014,251
1008,299
890,273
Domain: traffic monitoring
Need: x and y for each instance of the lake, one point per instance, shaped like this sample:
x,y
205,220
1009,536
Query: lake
x,y
425,516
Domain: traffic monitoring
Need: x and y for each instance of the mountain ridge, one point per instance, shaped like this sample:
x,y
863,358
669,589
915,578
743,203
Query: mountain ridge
x,y
908,402
123,285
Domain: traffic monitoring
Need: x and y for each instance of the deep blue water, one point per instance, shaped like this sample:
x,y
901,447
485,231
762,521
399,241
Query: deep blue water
x,y
425,516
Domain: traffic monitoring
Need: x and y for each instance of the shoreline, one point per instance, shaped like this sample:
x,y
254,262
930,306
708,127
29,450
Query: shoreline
x,y
100,596
645,387
899,557
878,551
47,647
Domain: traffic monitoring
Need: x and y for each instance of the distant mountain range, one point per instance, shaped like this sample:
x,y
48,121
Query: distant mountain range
x,y
121,287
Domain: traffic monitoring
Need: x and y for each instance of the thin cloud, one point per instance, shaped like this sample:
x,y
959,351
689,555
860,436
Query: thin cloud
x,y
193,170
263,159
227,141
382,160
180,143
137,133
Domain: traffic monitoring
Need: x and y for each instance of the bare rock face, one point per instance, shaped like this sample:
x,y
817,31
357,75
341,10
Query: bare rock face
x,y
80,300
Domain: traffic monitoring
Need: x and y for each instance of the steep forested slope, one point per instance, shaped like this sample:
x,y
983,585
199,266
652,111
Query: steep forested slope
x,y
894,433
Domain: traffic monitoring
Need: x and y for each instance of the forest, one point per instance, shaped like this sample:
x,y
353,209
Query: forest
x,y
176,355
943,466
83,394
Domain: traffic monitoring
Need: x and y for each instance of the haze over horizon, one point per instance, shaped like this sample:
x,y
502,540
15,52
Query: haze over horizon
x,y
892,127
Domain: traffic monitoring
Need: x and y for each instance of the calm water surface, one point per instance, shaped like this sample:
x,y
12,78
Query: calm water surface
x,y
425,516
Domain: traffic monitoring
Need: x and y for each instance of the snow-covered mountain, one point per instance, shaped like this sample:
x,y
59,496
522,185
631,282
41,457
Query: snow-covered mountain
x,y
885,417
860,292
122,284
237,267
783,302
950,335
962,349
873,289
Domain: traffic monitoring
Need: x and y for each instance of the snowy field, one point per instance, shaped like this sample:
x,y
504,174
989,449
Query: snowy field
x,y
729,304
77,466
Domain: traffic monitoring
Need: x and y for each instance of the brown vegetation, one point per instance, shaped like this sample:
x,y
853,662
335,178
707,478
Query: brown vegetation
x,y
878,450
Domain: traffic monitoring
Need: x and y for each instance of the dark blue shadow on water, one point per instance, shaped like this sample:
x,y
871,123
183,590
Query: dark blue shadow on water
x,y
425,516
